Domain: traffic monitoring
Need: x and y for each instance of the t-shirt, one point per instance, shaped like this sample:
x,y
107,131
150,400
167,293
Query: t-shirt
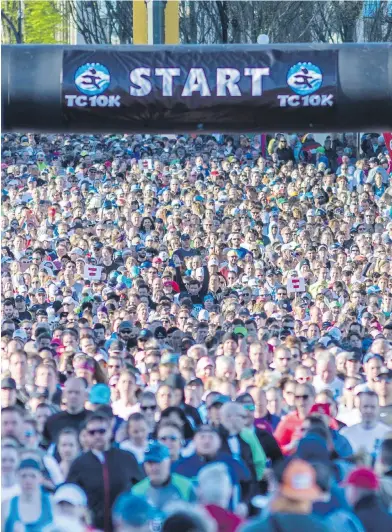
x,y
60,421
119,409
336,386
369,439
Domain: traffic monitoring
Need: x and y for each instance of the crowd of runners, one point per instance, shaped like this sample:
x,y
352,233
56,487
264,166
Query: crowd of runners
x,y
196,333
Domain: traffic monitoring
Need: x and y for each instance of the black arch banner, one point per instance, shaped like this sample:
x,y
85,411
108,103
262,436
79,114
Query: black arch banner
x,y
181,89
200,88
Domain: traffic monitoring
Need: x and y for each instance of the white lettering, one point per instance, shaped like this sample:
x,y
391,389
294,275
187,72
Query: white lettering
x,y
70,100
81,101
102,101
226,81
167,79
257,79
283,100
315,100
114,100
327,99
196,82
294,101
142,85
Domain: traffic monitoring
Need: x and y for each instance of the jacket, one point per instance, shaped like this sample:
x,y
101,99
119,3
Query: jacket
x,y
269,444
372,514
103,476
177,487
386,490
245,450
258,455
287,430
239,472
287,522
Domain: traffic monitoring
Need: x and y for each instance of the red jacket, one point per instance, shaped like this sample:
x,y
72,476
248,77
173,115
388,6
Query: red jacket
x,y
226,521
288,430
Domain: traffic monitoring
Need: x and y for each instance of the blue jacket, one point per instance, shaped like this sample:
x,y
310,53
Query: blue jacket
x,y
239,472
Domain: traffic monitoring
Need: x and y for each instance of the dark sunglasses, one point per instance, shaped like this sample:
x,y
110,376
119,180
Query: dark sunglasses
x,y
144,408
304,397
92,432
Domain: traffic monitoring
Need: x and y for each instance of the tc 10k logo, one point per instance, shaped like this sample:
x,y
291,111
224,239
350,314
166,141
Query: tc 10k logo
x,y
92,79
305,79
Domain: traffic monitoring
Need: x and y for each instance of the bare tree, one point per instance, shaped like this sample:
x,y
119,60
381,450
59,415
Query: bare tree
x,y
103,21
222,21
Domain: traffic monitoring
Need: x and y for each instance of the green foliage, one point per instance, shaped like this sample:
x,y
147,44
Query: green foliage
x,y
42,21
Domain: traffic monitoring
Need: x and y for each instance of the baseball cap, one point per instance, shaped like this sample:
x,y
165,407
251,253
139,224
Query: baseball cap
x,y
124,325
169,358
133,510
20,333
70,493
362,477
370,356
298,481
144,335
29,463
99,394
160,333
203,315
8,383
241,330
156,452
41,291
220,400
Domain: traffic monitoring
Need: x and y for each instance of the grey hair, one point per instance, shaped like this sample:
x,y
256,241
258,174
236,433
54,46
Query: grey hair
x,y
215,486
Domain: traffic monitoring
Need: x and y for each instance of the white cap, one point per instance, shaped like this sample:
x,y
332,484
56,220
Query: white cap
x,y
72,494
76,251
163,255
213,262
69,301
204,315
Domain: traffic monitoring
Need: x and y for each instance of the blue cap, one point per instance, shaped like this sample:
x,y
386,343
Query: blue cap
x,y
220,400
156,452
133,510
145,333
370,356
99,394
169,358
146,264
135,271
70,170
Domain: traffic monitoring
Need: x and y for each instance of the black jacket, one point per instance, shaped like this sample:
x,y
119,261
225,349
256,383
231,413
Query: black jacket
x,y
121,473
269,445
245,450
372,514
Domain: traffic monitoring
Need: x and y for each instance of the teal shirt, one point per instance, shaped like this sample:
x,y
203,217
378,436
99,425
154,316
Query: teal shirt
x,y
178,488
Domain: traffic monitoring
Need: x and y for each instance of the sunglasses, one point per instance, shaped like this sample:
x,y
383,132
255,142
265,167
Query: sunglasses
x,y
151,407
92,432
249,407
304,397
